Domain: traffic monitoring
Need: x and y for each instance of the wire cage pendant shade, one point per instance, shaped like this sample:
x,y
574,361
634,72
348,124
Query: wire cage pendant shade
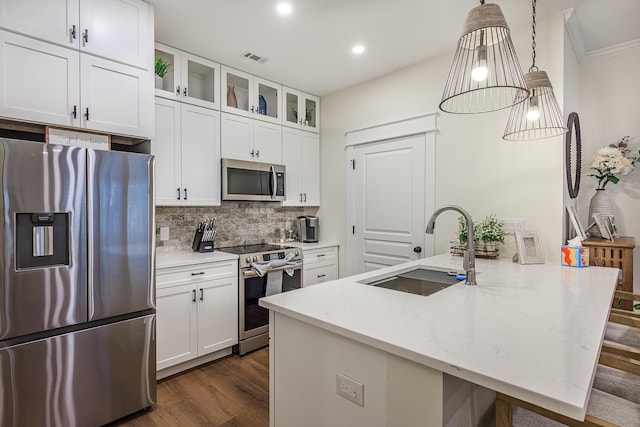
x,y
485,74
539,116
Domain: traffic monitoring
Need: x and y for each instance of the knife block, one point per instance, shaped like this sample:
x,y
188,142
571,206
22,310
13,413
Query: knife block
x,y
199,245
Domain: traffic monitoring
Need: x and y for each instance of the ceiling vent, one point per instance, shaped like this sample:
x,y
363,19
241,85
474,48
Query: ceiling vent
x,y
254,57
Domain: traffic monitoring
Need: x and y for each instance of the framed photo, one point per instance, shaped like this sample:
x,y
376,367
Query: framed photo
x,y
605,226
575,221
529,247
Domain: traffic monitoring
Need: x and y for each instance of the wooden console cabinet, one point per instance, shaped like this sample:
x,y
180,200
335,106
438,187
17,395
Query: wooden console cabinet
x,y
616,254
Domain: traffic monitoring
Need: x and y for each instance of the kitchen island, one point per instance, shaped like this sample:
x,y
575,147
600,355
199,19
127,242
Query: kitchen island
x,y
530,331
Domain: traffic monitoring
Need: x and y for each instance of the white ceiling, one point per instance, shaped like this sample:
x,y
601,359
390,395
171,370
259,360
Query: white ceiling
x,y
310,49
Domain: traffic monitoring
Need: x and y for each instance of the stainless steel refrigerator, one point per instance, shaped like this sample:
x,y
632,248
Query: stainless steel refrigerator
x,y
77,295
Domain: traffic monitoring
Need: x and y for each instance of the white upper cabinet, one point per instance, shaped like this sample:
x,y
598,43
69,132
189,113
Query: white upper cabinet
x,y
187,150
250,96
111,97
301,156
50,20
120,30
301,110
246,139
38,81
190,78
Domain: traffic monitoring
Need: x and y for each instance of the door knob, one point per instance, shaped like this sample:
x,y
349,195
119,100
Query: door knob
x,y
417,249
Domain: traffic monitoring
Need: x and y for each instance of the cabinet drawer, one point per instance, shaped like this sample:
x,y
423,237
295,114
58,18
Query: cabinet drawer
x,y
313,256
319,273
166,277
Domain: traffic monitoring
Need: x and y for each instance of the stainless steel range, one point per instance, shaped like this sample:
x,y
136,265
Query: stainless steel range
x,y
282,272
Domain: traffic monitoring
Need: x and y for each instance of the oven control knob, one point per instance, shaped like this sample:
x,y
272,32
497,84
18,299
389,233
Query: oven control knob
x,y
255,259
296,253
248,259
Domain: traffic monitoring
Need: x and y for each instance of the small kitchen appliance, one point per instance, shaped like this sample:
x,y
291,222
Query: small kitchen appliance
x,y
308,228
253,322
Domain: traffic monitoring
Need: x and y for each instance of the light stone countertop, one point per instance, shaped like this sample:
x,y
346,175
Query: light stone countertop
x,y
168,259
530,331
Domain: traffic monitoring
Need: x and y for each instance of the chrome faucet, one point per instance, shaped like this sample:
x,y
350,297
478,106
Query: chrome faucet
x,y
469,254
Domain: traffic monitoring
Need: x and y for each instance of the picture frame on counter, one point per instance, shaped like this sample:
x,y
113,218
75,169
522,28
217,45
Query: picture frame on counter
x,y
529,247
605,226
575,222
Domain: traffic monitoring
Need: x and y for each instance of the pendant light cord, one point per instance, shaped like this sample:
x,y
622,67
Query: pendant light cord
x,y
533,37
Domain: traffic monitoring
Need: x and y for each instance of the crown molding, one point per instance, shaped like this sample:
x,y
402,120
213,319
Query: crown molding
x,y
619,49
575,35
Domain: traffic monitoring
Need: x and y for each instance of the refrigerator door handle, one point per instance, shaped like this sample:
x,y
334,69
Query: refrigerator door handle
x,y
91,305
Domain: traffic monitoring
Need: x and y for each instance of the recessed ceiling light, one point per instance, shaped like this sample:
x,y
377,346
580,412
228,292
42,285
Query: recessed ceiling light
x,y
284,8
358,49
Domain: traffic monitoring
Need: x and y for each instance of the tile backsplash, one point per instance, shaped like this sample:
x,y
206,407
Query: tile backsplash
x,y
238,223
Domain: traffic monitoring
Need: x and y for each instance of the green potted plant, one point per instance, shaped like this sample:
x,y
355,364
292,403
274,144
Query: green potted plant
x,y
491,232
162,67
487,234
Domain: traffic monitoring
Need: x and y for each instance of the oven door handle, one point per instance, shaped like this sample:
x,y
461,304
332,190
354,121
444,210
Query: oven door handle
x,y
250,273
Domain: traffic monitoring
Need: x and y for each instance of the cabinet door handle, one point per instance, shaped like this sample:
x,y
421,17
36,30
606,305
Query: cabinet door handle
x,y
321,255
305,197
252,108
300,197
185,193
72,32
301,121
75,112
253,153
320,276
184,91
86,114
258,153
178,90
194,296
178,192
200,273
85,36
201,294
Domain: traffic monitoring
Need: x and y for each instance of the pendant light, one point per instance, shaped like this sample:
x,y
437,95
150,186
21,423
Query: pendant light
x,y
539,116
485,74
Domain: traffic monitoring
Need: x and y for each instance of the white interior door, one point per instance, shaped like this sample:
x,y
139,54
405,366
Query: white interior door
x,y
393,188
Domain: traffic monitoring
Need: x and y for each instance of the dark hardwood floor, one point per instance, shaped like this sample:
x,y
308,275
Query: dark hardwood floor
x,y
233,391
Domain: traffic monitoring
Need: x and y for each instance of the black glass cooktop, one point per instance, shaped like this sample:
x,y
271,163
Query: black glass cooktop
x,y
254,249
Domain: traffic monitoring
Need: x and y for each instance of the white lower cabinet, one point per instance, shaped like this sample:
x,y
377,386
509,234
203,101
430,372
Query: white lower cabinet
x,y
197,311
320,265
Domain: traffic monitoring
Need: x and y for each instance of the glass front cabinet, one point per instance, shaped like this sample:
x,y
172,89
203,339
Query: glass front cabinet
x,y
189,78
250,96
301,110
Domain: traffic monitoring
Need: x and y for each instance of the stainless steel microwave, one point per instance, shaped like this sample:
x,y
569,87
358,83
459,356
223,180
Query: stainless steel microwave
x,y
244,180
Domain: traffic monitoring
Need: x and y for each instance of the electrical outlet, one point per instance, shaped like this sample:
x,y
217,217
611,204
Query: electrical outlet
x,y
511,225
350,389
164,233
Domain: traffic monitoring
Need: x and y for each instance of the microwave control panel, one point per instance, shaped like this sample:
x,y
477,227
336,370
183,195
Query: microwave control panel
x,y
280,184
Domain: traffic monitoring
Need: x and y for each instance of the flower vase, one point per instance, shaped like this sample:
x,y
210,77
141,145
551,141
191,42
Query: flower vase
x,y
600,203
232,101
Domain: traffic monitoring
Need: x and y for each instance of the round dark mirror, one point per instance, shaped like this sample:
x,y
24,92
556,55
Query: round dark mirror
x,y
573,151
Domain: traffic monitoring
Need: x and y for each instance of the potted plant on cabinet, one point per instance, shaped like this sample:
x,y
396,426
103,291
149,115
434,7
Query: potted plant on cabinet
x,y
161,68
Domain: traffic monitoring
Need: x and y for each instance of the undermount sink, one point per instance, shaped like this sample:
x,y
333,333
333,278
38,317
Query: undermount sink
x,y
420,281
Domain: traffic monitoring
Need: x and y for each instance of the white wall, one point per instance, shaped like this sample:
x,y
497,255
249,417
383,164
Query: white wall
x,y
610,98
475,168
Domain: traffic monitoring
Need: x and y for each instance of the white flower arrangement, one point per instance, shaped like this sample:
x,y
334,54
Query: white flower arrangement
x,y
613,160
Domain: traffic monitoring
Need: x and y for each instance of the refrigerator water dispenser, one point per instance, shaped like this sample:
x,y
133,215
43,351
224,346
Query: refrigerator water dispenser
x,y
41,240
